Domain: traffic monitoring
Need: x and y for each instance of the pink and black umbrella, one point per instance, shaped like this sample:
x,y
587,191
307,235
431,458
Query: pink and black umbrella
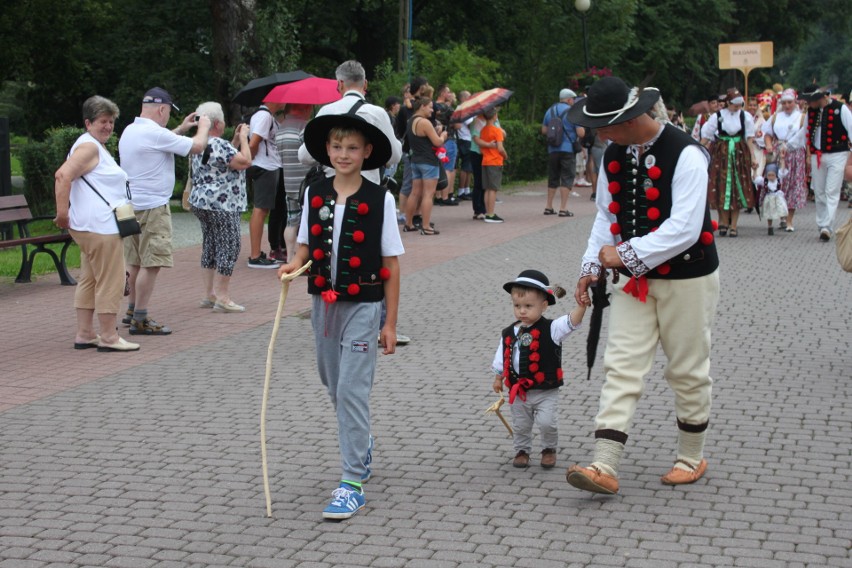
x,y
480,102
311,91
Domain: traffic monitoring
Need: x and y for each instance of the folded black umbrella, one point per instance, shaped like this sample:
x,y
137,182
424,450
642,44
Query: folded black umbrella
x,y
600,300
256,89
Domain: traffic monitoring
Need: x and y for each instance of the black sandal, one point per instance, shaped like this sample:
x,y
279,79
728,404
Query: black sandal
x,y
429,232
723,230
549,211
407,229
566,213
732,233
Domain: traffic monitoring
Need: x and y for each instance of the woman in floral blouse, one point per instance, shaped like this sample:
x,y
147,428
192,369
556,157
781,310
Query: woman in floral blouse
x,y
217,199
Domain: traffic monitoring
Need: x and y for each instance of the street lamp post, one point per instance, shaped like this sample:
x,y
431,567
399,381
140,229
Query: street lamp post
x,y
583,6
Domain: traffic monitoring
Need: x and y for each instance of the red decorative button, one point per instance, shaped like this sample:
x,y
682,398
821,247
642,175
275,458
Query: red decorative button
x,y
363,209
654,172
652,193
615,229
653,213
355,262
715,224
384,273
664,269
320,281
706,238
613,167
353,289
539,377
316,202
533,367
614,187
316,229
358,236
614,208
318,254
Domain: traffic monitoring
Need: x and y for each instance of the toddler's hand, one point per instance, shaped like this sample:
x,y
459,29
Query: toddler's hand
x,y
287,269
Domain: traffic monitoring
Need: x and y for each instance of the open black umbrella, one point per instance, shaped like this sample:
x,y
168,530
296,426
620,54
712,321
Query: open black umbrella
x,y
600,300
256,89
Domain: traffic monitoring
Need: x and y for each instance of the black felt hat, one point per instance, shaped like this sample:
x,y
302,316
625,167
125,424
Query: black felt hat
x,y
610,101
535,280
812,93
316,136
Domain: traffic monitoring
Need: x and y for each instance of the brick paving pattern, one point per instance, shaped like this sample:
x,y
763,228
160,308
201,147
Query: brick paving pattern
x,y
152,459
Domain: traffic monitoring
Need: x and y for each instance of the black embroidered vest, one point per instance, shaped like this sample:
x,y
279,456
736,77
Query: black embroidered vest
x,y
833,135
539,361
360,276
642,200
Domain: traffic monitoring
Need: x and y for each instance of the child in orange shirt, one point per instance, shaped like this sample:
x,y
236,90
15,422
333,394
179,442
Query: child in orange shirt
x,y
493,156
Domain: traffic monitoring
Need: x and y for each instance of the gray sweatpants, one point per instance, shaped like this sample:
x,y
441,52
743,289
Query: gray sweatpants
x,y
347,338
542,408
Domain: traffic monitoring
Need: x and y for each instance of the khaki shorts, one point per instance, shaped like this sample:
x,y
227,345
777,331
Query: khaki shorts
x,y
492,177
153,247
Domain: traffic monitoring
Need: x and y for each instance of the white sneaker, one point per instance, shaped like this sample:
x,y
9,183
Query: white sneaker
x,y
230,307
583,183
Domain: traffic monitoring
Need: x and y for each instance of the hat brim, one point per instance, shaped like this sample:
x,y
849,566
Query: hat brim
x,y
577,114
316,136
551,299
814,97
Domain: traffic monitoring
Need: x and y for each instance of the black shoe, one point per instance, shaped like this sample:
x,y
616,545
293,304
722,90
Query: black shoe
x,y
771,231
594,196
128,316
493,219
262,262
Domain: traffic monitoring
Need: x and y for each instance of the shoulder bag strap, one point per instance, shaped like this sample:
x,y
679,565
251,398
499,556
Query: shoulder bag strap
x,y
126,190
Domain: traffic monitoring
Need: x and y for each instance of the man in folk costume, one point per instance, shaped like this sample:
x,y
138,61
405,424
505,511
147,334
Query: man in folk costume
x,y
829,127
653,226
712,106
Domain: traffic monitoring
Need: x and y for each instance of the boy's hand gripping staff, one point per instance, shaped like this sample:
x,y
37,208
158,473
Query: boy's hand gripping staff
x,y
285,287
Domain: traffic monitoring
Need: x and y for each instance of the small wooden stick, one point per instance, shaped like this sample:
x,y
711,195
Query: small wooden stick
x,y
495,408
285,287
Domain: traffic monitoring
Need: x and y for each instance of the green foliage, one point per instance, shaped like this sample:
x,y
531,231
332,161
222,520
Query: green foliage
x,y
527,151
10,259
40,160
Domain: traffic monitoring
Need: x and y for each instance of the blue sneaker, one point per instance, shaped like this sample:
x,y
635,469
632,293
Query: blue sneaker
x,y
345,502
369,473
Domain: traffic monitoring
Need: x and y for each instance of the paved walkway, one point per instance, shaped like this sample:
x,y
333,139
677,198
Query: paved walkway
x,y
152,459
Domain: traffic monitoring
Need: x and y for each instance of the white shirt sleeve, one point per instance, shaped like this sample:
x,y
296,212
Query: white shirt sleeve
x,y
767,126
708,131
600,235
497,363
689,198
302,236
846,118
391,241
749,125
561,327
173,143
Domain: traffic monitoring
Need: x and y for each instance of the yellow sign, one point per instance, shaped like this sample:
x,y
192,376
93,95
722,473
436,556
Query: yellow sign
x,y
745,55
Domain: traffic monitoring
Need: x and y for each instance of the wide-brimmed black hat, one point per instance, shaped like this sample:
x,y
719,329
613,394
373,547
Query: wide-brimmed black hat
x,y
610,101
812,93
535,280
316,135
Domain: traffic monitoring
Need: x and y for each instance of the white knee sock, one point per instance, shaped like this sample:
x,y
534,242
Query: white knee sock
x,y
690,449
607,456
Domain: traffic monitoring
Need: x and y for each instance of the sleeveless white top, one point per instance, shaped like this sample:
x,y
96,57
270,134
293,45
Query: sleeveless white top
x,y
88,211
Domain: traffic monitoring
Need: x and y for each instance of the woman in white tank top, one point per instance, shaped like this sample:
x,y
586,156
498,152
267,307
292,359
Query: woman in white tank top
x,y
91,222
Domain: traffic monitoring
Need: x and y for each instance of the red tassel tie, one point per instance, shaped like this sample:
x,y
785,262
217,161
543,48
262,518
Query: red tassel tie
x,y
637,287
519,390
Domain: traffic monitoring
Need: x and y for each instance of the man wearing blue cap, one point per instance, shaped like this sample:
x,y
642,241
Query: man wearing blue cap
x,y
147,150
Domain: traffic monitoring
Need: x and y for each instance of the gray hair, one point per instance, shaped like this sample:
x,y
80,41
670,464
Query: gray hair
x,y
351,73
211,110
96,106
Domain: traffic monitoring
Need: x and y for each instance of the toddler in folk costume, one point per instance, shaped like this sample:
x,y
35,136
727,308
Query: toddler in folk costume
x,y
529,363
774,205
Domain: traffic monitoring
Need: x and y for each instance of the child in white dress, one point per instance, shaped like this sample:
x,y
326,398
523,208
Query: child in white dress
x,y
774,205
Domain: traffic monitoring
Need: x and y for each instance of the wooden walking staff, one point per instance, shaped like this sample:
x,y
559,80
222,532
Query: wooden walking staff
x,y
285,287
495,408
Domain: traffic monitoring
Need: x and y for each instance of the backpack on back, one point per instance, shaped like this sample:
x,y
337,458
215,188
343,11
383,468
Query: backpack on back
x,y
555,127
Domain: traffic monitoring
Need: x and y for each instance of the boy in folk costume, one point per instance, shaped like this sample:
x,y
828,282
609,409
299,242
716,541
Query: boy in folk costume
x,y
528,362
349,231
653,226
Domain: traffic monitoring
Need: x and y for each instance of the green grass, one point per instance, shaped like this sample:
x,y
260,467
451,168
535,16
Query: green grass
x,y
16,166
10,258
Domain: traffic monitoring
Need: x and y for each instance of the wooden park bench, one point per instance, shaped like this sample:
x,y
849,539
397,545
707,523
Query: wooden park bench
x,y
14,209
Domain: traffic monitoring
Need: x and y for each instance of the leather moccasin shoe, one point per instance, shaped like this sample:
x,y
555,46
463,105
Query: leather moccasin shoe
x,y
120,345
591,479
678,476
522,459
548,458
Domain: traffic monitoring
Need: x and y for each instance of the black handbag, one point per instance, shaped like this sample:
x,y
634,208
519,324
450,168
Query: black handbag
x,y
125,217
443,182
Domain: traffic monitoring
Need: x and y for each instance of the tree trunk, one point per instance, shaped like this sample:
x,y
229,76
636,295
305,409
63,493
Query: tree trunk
x,y
233,23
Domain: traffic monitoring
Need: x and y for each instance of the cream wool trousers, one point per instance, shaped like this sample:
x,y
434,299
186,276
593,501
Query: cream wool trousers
x,y
679,315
